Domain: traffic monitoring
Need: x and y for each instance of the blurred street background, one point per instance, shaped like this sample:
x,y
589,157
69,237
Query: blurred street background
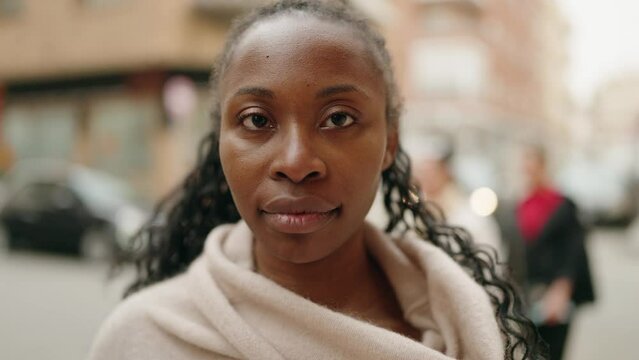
x,y
52,306
103,102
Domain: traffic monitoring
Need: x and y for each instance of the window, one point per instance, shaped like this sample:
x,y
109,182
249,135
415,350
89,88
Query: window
x,y
444,19
101,3
448,67
119,135
46,131
43,196
10,7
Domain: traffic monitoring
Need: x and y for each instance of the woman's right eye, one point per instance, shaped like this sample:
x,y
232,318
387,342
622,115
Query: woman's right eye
x,y
256,122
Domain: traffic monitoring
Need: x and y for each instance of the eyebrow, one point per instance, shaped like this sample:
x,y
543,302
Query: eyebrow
x,y
339,89
326,92
256,91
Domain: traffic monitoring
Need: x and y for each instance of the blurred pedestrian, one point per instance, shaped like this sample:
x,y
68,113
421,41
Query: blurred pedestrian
x,y
434,173
557,272
264,253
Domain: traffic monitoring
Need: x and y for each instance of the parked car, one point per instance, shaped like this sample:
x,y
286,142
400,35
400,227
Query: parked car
x,y
606,195
63,207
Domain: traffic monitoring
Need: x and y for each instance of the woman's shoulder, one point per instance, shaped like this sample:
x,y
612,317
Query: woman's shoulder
x,y
162,321
169,293
132,328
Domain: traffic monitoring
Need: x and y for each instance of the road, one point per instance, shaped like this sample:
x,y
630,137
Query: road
x,y
51,306
609,329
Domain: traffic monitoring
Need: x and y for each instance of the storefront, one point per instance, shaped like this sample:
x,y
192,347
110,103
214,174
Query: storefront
x,y
118,124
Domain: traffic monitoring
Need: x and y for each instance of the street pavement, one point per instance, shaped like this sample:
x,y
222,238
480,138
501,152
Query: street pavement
x,y
51,306
609,329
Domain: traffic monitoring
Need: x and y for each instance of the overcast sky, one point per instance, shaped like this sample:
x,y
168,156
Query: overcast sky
x,y
604,41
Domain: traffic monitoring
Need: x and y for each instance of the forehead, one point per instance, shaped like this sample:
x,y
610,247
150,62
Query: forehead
x,y
302,47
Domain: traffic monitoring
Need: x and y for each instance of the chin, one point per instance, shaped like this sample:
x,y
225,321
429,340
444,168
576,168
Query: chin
x,y
303,248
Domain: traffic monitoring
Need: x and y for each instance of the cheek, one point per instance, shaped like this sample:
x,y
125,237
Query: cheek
x,y
239,171
362,172
230,168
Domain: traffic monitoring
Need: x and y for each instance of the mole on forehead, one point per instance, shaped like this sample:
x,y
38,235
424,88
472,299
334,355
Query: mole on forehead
x,y
304,40
314,50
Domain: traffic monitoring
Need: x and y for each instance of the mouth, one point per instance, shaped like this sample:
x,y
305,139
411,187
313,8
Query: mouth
x,y
303,215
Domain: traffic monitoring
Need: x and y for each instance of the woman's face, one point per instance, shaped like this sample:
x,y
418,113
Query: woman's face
x,y
303,137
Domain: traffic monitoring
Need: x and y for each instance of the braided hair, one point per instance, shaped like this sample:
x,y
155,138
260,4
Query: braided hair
x,y
174,236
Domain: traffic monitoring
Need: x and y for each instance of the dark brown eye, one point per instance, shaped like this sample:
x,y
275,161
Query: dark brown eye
x,y
337,120
255,122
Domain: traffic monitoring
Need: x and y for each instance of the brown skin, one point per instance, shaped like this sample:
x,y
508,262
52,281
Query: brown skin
x,y
557,298
283,133
535,169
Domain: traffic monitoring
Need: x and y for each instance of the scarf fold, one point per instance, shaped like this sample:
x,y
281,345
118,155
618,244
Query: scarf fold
x,y
221,308
264,320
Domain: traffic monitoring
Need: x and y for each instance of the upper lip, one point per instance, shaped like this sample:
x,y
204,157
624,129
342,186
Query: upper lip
x,y
298,205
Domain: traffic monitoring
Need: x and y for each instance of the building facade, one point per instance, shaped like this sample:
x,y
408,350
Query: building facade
x,y
615,123
120,85
89,81
488,73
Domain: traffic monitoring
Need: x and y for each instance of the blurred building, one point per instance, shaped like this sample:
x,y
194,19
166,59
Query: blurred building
x,y
616,110
121,85
118,85
615,117
489,72
113,84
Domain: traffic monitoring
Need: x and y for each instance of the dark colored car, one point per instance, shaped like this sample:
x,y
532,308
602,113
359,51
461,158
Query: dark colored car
x,y
68,208
605,195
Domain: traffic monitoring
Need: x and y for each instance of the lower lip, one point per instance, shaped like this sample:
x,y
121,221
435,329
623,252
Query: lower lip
x,y
299,223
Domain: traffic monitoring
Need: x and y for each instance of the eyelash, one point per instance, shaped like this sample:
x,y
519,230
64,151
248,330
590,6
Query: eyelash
x,y
242,119
344,113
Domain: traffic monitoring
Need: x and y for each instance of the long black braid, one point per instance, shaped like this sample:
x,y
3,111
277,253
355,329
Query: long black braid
x,y
175,235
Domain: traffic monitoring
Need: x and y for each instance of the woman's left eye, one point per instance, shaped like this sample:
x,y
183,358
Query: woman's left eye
x,y
337,120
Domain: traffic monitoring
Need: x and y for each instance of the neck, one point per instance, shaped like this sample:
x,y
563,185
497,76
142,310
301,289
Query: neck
x,y
348,281
539,183
337,281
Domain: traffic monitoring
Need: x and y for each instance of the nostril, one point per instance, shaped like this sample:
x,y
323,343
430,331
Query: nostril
x,y
313,175
310,176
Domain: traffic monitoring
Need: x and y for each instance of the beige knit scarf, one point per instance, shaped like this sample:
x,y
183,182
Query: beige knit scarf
x,y
221,308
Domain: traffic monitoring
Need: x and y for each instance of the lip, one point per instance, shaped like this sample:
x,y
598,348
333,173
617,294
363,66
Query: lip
x,y
298,215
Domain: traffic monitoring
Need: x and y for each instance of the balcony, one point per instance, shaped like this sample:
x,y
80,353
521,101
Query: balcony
x,y
226,6
380,11
474,4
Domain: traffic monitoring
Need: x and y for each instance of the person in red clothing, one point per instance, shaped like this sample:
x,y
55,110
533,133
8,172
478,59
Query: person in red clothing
x,y
557,273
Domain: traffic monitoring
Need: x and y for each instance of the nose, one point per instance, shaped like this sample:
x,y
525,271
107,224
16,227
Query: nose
x,y
297,160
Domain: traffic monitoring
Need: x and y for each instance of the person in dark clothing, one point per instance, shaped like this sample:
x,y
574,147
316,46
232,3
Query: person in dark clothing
x,y
557,272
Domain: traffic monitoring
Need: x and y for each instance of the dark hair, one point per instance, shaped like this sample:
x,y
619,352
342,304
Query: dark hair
x,y
176,232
